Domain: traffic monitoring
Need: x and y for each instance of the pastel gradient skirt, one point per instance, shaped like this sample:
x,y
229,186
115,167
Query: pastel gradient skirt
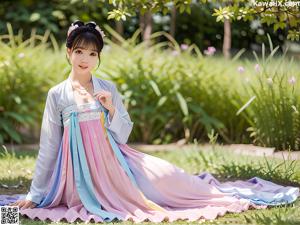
x,y
97,179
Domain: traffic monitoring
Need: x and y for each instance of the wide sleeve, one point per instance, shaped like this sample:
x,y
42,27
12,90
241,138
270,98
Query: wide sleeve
x,y
50,139
120,125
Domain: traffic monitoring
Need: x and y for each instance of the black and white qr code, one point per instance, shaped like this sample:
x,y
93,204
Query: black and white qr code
x,y
9,215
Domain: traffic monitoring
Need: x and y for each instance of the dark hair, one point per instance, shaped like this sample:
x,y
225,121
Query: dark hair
x,y
85,35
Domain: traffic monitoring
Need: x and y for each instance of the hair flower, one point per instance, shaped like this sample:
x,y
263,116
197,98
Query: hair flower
x,y
71,28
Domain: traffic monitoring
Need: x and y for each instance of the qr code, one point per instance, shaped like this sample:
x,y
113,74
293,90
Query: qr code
x,y
9,215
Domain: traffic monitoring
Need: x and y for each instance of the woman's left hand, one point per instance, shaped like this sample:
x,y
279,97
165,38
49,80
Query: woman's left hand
x,y
105,98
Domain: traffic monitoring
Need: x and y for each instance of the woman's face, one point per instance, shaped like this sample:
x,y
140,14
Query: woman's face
x,y
83,59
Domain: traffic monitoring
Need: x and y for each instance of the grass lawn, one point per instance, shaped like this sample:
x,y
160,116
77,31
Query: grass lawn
x,y
224,165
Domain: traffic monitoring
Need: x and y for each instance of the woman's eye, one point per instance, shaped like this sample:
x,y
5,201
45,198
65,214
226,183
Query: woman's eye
x,y
93,54
77,51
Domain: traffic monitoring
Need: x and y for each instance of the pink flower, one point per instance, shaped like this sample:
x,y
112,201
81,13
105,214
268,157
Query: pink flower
x,y
184,46
292,80
210,50
241,69
257,68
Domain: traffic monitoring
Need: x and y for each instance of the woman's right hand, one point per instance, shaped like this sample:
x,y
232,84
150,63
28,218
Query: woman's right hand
x,y
24,204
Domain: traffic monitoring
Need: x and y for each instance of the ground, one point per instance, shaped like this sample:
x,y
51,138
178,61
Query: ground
x,y
223,162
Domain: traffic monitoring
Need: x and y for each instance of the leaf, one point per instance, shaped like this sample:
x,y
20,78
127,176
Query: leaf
x,y
155,87
10,130
188,10
270,42
123,17
165,10
182,103
220,18
181,8
162,101
15,116
34,17
111,16
238,55
278,25
293,21
246,105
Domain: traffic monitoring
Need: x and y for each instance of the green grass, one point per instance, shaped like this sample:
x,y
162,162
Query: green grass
x,y
19,166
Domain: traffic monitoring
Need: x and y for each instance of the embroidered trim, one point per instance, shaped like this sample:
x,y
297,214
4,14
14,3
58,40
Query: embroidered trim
x,y
83,116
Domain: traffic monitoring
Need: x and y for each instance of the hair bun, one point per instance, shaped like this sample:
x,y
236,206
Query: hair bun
x,y
90,25
78,22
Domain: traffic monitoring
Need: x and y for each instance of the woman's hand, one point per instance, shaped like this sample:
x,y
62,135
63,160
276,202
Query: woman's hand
x,y
105,98
24,204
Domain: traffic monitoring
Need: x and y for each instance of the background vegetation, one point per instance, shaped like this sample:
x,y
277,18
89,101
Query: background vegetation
x,y
181,72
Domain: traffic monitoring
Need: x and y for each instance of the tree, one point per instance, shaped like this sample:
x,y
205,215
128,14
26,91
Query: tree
x,y
280,14
146,25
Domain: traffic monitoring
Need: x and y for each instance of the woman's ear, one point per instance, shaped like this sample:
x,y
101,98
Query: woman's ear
x,y
68,52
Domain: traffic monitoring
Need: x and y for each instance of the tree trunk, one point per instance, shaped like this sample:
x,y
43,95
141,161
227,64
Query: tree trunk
x,y
146,25
119,28
227,39
173,22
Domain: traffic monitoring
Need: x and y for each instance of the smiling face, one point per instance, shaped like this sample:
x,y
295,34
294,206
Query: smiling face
x,y
84,52
83,59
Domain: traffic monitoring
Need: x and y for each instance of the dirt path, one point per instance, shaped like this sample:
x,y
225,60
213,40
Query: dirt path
x,y
244,149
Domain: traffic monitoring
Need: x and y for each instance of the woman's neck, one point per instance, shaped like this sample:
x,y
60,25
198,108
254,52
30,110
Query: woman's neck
x,y
80,78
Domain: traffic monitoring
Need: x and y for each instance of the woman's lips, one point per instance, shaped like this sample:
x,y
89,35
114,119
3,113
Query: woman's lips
x,y
83,67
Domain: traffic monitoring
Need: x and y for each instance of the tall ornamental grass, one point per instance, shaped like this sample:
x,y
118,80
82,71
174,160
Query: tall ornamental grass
x,y
27,69
173,93
273,109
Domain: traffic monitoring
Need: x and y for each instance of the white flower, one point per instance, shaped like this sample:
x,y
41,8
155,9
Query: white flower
x,y
175,53
270,80
21,55
257,68
241,69
6,62
292,80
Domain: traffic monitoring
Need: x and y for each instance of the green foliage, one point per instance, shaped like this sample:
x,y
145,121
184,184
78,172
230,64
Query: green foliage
x,y
173,93
127,8
277,14
26,72
273,111
280,216
229,166
169,92
54,16
201,28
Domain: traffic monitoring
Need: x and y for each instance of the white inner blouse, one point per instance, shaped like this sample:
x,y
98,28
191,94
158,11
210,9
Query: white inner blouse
x,y
80,99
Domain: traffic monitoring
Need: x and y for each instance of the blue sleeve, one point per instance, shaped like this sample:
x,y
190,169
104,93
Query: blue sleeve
x,y
50,139
120,125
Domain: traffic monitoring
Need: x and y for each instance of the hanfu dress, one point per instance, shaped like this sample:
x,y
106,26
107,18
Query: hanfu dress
x,y
86,171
